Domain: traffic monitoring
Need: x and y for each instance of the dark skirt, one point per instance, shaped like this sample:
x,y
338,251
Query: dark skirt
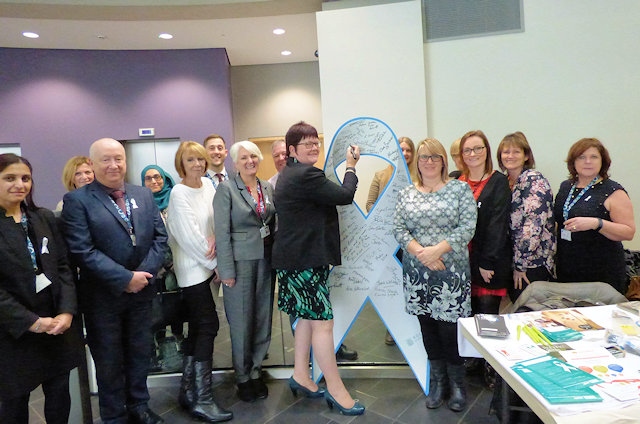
x,y
34,358
304,293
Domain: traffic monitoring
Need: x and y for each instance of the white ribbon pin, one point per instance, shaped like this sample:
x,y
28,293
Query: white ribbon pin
x,y
45,249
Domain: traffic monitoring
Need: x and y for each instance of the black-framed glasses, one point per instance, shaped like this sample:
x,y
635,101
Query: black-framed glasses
x,y
310,144
477,150
434,158
150,178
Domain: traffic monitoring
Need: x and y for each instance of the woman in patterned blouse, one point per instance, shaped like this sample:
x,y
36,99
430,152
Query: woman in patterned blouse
x,y
531,224
434,221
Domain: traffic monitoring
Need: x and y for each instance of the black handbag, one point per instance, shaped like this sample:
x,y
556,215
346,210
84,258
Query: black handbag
x,y
167,306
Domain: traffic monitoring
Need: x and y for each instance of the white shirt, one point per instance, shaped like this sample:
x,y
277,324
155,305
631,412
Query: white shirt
x,y
211,175
189,223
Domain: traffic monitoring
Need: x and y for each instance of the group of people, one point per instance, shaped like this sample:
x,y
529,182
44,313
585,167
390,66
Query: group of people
x,y
474,237
468,241
103,257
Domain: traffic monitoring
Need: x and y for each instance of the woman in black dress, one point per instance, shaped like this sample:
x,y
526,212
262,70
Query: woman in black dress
x,y
38,346
594,215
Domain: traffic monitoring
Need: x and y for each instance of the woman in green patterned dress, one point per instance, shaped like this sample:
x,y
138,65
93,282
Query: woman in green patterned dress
x,y
306,244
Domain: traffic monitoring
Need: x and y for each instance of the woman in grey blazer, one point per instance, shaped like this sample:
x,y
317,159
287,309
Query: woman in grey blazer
x,y
244,216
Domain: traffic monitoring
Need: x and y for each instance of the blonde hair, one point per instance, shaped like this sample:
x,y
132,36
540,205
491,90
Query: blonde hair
x,y
411,165
69,170
435,148
454,150
189,147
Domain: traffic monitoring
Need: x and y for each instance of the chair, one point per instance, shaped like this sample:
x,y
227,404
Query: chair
x,y
543,295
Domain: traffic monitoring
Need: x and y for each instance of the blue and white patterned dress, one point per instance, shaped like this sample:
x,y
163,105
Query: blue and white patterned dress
x,y
448,214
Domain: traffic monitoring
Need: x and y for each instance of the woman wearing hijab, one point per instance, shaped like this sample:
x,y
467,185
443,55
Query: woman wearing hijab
x,y
160,183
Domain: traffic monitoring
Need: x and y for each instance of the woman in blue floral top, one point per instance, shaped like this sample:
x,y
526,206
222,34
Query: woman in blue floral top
x,y
434,221
532,225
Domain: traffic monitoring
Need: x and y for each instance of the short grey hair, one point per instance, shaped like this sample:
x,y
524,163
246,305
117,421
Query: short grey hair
x,y
275,143
247,145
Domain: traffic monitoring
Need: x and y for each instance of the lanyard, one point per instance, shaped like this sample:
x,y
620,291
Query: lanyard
x,y
260,206
568,205
32,251
124,214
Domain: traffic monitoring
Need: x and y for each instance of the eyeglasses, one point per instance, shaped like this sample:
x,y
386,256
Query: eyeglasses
x,y
477,150
156,177
310,144
434,158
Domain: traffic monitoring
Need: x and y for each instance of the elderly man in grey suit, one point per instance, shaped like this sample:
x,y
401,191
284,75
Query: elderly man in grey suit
x,y
244,216
117,239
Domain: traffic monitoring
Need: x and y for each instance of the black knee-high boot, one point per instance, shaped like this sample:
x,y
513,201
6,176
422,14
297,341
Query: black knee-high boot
x,y
458,400
205,407
438,384
187,395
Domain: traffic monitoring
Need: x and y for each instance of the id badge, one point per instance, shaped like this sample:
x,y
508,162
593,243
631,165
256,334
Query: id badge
x,y
133,239
265,231
565,234
42,282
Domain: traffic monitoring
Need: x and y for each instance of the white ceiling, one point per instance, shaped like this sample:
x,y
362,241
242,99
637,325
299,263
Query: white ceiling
x,y
243,27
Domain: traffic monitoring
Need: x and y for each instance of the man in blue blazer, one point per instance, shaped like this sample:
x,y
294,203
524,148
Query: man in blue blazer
x,y
117,240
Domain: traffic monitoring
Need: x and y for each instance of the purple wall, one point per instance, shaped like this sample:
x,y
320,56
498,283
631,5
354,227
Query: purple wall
x,y
55,103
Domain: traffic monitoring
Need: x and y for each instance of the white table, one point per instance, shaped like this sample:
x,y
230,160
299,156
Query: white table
x,y
546,412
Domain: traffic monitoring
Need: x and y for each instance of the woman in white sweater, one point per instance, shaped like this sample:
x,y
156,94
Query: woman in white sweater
x,y
192,241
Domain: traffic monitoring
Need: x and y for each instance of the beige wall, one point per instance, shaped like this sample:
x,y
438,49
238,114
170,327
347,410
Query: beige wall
x,y
268,99
572,73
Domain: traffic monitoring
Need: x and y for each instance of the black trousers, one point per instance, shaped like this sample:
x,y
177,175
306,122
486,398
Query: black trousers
x,y
119,336
440,339
203,321
57,403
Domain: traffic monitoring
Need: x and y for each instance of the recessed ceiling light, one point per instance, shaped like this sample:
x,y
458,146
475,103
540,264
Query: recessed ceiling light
x,y
165,36
279,31
30,34
285,53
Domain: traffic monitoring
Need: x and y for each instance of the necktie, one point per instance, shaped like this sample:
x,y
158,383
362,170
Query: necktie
x,y
220,177
118,197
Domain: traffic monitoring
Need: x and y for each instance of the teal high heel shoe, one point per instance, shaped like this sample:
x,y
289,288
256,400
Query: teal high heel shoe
x,y
357,409
297,387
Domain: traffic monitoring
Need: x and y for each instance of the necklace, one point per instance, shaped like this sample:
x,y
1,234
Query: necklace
x,y
475,185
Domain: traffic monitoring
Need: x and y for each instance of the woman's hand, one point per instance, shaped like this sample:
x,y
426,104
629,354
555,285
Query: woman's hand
x,y
429,256
518,278
211,252
487,274
353,155
436,265
580,223
42,325
229,282
62,323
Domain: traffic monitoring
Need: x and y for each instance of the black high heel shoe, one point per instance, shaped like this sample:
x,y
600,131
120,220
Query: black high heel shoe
x,y
357,409
297,387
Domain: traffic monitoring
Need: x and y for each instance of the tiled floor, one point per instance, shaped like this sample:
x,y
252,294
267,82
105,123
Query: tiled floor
x,y
388,400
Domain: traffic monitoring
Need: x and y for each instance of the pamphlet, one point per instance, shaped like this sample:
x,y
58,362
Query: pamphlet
x,y
557,381
571,318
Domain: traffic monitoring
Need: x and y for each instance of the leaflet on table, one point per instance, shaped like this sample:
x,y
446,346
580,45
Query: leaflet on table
x,y
519,352
558,381
571,318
